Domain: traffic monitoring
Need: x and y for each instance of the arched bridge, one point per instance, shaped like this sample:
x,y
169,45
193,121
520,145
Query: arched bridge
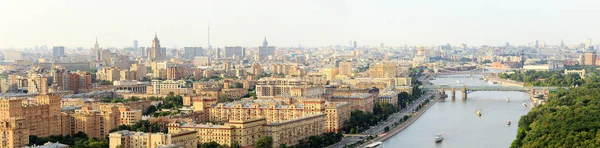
x,y
468,89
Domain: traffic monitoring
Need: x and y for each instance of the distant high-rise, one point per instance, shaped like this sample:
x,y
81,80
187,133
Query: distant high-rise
x,y
236,51
588,44
265,50
96,50
58,51
589,59
354,45
543,45
381,45
445,47
562,43
156,53
191,52
537,44
135,44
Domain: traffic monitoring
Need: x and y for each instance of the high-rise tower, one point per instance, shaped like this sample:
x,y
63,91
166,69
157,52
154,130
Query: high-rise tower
x,y
265,43
156,51
96,50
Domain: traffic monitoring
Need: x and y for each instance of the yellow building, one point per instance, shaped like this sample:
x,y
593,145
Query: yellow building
x,y
330,73
37,84
165,87
383,70
131,139
108,74
346,68
256,69
129,116
234,93
275,110
278,86
23,115
337,114
246,132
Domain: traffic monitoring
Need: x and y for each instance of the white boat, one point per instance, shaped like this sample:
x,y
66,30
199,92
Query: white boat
x,y
507,100
525,105
507,122
375,145
457,81
438,138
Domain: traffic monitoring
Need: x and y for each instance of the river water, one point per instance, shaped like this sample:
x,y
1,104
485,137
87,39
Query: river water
x,y
457,120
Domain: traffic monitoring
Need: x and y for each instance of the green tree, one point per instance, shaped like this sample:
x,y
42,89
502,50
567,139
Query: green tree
x,y
211,144
264,142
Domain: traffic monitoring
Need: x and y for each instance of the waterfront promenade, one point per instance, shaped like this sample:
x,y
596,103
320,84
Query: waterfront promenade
x,y
379,128
404,124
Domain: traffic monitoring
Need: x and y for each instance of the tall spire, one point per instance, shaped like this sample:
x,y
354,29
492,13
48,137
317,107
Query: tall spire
x,y
96,46
265,43
208,29
155,37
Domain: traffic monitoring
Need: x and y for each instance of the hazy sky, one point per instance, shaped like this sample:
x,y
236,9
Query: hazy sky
x,y
75,23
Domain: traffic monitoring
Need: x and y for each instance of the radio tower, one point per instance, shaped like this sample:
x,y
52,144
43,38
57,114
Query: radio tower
x,y
209,47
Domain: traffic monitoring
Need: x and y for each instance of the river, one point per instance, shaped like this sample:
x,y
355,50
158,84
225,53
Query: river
x,y
457,120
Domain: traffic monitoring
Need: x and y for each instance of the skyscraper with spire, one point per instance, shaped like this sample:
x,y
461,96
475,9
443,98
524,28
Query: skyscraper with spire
x,y
95,52
156,53
265,50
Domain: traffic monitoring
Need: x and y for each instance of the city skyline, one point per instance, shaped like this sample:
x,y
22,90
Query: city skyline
x,y
313,23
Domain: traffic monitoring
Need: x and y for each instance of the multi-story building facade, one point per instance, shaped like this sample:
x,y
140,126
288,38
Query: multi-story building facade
x,y
278,86
167,86
22,116
383,70
109,74
131,139
247,131
346,68
275,110
129,116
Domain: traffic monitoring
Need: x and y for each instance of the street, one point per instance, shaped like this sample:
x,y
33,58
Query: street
x,y
379,128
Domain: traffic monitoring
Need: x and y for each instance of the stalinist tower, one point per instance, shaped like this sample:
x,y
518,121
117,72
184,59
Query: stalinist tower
x,y
156,53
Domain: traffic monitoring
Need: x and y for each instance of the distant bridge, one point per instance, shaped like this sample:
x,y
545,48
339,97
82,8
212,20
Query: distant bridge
x,y
478,70
460,76
468,89
488,88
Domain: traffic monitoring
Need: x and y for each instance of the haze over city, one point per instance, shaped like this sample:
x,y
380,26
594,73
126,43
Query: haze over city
x,y
299,74
28,23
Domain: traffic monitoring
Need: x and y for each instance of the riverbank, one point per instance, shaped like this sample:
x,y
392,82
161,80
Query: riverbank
x,y
403,125
496,79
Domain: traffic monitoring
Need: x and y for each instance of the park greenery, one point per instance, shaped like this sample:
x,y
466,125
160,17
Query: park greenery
x,y
264,142
171,101
567,119
143,126
360,121
317,141
105,82
543,78
78,140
